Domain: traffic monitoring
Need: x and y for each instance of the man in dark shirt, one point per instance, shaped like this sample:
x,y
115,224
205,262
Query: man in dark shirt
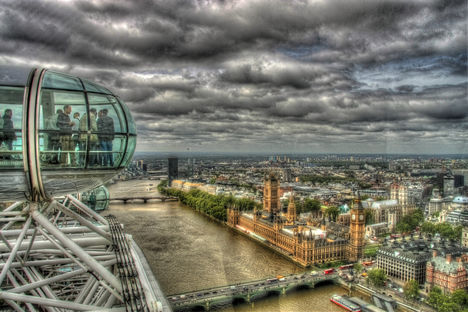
x,y
64,124
106,132
7,133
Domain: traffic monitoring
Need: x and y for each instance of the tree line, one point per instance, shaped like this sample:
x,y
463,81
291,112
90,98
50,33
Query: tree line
x,y
456,302
415,219
212,205
444,229
410,222
320,179
306,205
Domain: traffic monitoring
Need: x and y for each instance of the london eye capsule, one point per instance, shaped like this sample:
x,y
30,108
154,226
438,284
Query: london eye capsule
x,y
59,134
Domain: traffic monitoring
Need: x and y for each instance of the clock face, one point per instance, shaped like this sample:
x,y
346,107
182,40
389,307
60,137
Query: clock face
x,y
354,217
361,217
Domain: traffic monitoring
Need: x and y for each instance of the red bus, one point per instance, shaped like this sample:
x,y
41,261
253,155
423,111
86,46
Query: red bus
x,y
329,271
346,267
367,263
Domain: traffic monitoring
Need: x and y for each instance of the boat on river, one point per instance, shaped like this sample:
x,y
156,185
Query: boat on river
x,y
345,303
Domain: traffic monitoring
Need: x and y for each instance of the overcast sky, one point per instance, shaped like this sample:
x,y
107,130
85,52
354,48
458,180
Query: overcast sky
x,y
263,76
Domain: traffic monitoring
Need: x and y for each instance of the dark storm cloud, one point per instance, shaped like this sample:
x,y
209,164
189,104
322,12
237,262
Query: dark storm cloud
x,y
260,73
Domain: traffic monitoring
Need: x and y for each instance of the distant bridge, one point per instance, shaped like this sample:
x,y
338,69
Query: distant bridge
x,y
145,199
247,292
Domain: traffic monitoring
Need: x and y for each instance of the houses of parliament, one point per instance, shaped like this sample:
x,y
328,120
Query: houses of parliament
x,y
305,242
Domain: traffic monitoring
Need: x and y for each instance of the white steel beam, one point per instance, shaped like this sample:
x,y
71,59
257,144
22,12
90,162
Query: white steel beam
x,y
83,221
47,281
6,267
77,250
84,208
5,295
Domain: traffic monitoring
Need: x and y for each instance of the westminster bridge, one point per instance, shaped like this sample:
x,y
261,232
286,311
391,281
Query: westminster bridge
x,y
249,291
145,199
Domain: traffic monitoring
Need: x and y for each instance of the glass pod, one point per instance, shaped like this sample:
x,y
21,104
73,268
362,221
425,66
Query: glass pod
x,y
59,134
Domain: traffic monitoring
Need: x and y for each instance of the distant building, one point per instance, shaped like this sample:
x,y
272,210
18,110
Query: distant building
x,y
344,219
449,272
400,193
459,180
375,230
449,185
385,211
187,186
464,239
435,205
457,217
407,259
460,202
462,172
172,169
287,175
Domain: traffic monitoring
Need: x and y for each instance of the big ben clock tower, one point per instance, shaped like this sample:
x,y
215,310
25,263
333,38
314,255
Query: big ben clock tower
x,y
356,232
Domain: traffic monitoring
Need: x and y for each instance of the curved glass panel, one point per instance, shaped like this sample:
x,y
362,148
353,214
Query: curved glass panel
x,y
107,104
14,76
130,150
89,86
58,81
131,123
61,140
97,199
11,117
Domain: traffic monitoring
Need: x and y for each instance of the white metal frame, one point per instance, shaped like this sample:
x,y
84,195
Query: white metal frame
x,y
59,257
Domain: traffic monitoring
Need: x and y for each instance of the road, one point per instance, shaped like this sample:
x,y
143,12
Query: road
x,y
243,289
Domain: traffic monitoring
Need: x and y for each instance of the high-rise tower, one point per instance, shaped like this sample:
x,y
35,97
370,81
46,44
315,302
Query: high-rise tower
x,y
355,248
271,198
172,169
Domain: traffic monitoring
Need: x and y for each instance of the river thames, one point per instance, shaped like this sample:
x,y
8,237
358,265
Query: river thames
x,y
187,252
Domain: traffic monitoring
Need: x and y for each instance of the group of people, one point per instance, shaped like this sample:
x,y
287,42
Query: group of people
x,y
75,133
7,132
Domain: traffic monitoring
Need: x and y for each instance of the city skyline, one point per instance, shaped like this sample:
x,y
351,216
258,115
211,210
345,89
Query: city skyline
x,y
384,77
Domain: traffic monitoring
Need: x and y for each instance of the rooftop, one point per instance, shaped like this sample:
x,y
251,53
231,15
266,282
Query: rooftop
x,y
441,264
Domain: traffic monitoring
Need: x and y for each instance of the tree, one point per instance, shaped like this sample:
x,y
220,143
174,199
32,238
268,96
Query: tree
x,y
428,228
411,289
409,222
377,277
333,212
449,307
358,268
436,298
312,205
369,215
460,297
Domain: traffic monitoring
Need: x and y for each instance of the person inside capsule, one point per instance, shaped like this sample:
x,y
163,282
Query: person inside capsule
x,y
7,132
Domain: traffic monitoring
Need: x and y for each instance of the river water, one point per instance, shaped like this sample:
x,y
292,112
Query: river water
x,y
187,252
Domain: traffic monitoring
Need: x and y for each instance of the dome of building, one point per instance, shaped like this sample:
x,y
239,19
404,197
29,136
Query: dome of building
x,y
59,134
460,200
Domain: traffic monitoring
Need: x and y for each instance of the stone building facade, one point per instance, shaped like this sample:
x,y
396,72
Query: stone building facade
x,y
304,244
407,259
447,273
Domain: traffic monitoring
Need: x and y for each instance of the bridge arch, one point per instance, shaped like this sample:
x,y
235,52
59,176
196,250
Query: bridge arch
x,y
325,282
237,300
299,287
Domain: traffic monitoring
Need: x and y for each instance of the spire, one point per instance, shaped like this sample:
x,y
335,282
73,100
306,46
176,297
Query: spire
x,y
291,209
359,202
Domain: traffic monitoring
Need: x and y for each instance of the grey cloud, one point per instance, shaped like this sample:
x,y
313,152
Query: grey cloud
x,y
260,73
